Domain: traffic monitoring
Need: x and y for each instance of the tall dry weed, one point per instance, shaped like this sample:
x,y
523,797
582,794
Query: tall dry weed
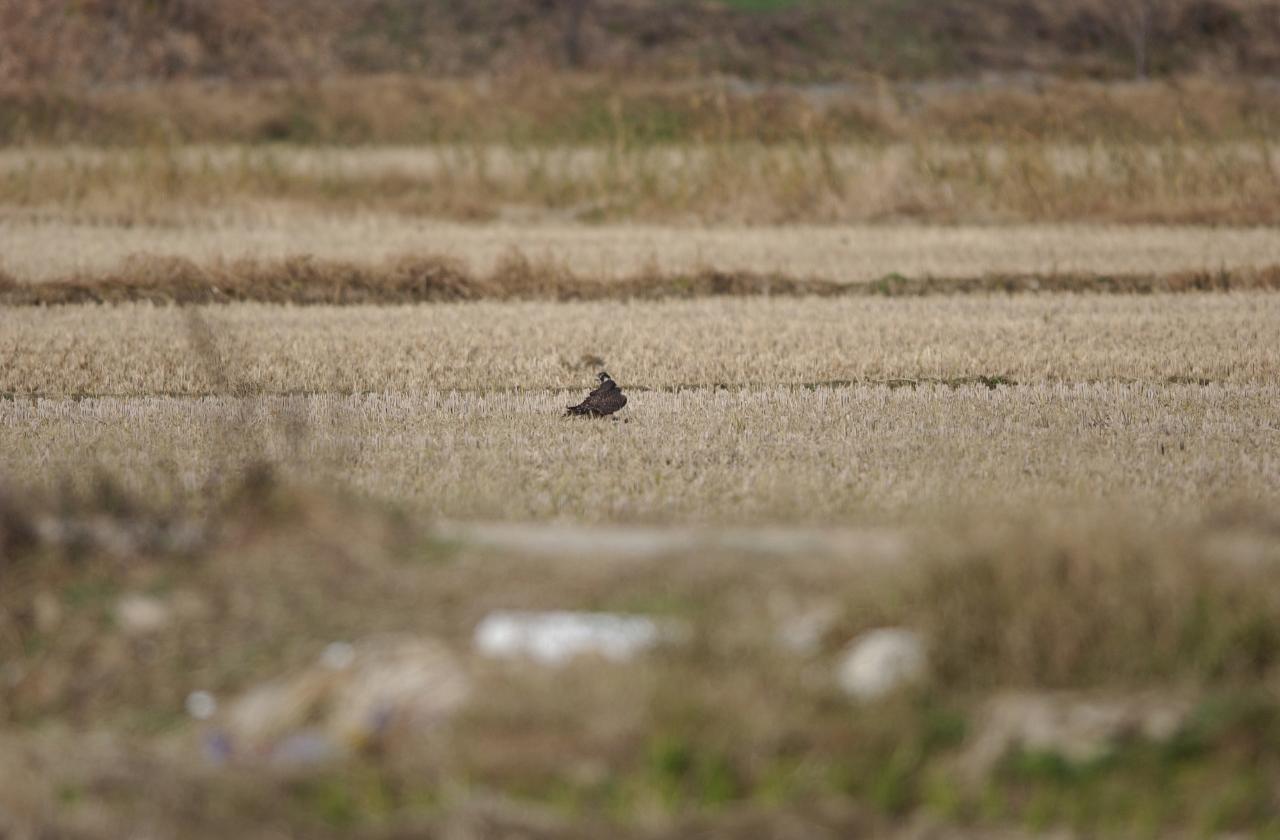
x,y
1079,603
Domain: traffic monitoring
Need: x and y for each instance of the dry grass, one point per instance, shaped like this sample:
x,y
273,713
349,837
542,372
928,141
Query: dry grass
x,y
41,250
448,407
827,454
725,734
806,181
489,347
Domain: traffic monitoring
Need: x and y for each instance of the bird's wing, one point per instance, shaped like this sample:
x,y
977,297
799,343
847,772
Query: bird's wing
x,y
605,387
597,393
609,402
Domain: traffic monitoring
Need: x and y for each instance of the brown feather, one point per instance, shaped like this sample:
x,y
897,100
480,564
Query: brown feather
x,y
602,401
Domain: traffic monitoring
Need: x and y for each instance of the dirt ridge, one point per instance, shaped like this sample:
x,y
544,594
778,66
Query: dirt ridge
x,y
435,279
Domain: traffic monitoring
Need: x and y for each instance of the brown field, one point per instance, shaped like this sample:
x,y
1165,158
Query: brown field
x,y
995,367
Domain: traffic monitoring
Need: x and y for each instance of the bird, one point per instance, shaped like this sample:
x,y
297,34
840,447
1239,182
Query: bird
x,y
604,400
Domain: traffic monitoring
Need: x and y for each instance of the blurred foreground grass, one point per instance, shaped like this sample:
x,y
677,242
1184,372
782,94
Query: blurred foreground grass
x,y
1085,672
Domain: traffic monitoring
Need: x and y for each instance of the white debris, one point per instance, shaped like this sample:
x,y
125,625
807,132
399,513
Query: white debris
x,y
201,705
338,655
881,661
878,547
140,615
554,638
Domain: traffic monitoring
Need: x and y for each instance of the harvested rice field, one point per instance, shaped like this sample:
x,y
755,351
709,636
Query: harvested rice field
x,y
740,409
771,453
144,350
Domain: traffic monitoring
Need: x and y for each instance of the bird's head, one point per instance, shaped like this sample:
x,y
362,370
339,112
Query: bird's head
x,y
604,376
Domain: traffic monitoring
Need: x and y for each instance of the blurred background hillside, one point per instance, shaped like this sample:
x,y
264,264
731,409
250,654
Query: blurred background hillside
x,y
83,41
608,71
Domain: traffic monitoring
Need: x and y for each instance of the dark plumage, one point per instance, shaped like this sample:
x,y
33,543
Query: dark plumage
x,y
603,401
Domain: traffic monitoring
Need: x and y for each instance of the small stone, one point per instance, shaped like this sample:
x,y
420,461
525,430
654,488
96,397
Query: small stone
x,y
201,705
338,655
880,662
141,614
